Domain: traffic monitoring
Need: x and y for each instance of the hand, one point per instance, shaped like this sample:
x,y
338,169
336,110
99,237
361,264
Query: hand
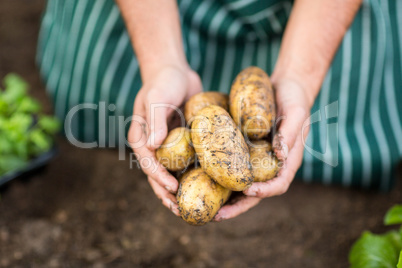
x,y
170,86
293,108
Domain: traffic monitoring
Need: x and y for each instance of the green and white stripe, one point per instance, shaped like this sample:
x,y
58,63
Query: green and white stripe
x,y
85,56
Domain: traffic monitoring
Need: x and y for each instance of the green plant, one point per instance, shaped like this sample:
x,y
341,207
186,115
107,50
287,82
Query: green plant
x,y
25,132
380,251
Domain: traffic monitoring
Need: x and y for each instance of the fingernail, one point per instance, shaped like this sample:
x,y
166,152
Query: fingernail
x,y
171,206
168,188
217,218
221,219
174,208
285,150
277,141
251,193
151,140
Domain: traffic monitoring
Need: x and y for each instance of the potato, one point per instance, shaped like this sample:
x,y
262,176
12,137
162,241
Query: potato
x,y
264,164
221,149
252,103
176,152
199,197
204,99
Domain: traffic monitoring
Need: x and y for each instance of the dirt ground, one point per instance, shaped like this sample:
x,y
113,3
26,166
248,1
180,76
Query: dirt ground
x,y
90,209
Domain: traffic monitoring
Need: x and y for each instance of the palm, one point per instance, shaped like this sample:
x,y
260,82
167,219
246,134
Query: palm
x,y
153,108
292,110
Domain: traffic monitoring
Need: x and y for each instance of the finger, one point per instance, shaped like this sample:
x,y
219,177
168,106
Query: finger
x,y
291,126
138,131
156,171
168,200
241,205
146,158
158,113
176,119
196,85
281,183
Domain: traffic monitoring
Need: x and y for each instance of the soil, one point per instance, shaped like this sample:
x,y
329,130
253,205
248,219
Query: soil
x,y
87,208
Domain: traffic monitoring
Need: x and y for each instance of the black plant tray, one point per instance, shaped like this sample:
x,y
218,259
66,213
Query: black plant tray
x,y
32,166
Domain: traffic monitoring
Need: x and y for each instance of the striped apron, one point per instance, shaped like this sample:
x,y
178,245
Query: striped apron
x,y
85,57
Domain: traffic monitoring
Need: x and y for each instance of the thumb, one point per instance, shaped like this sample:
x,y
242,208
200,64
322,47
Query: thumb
x,y
293,111
158,129
291,126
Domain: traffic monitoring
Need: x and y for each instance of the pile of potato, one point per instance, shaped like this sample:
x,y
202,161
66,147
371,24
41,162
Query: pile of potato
x,y
215,138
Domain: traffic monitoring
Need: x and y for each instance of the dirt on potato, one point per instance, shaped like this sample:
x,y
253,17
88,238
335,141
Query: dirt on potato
x,y
90,209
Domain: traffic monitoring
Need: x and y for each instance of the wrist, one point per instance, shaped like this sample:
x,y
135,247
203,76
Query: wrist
x,y
150,69
308,82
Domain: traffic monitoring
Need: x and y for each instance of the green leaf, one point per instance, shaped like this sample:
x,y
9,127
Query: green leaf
x,y
374,251
395,238
400,260
4,107
394,215
6,146
15,88
40,141
28,105
19,122
21,137
49,124
400,233
9,163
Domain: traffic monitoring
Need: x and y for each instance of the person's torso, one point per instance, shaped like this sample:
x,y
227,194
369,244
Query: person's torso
x,y
241,19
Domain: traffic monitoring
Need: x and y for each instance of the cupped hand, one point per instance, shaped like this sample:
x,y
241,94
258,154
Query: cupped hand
x,y
162,93
293,108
